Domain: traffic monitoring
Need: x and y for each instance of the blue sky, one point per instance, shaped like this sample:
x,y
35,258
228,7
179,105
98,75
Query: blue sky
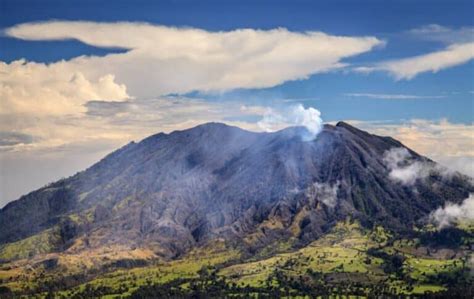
x,y
389,20
81,78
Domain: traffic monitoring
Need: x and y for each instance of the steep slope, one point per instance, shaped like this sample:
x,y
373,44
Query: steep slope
x,y
171,192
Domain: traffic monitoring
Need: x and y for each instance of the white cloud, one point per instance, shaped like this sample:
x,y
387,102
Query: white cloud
x,y
48,105
462,164
276,119
163,60
35,88
392,96
459,49
452,213
403,168
408,68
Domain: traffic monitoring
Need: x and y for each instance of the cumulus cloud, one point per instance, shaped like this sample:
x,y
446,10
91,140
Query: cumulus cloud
x,y
324,192
35,88
162,60
385,96
403,168
276,119
452,213
48,105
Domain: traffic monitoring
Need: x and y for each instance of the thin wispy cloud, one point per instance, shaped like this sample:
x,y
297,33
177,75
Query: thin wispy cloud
x,y
448,35
458,49
409,68
392,96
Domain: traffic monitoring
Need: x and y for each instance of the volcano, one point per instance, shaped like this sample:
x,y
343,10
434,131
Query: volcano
x,y
173,192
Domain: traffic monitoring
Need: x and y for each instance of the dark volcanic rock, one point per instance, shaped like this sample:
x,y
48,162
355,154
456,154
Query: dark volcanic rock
x,y
173,191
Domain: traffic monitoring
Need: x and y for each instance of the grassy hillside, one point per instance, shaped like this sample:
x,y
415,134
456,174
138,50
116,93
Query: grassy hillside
x,y
348,260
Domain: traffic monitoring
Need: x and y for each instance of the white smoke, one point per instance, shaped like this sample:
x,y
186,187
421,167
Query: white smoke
x,y
297,115
324,192
402,168
452,213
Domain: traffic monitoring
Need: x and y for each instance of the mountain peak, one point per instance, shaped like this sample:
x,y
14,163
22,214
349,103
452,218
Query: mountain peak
x,y
347,126
213,125
343,124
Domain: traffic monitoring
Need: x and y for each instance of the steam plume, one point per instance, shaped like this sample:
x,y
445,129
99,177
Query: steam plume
x,y
297,115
